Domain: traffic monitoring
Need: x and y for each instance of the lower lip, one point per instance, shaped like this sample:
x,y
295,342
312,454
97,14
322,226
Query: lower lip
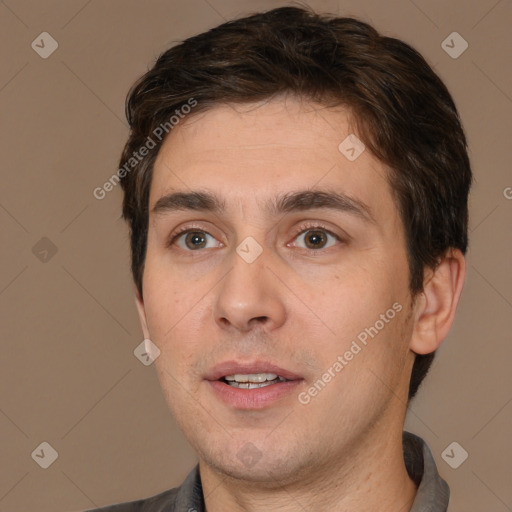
x,y
256,398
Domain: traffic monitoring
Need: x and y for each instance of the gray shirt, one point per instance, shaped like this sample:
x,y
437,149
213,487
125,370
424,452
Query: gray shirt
x,y
432,496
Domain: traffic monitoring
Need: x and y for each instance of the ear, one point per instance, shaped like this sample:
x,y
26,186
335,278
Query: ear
x,y
435,307
142,314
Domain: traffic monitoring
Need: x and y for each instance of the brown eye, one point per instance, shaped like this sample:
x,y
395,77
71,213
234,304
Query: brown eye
x,y
314,239
194,239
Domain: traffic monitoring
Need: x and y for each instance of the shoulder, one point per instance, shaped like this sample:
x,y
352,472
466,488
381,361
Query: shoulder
x,y
185,498
158,503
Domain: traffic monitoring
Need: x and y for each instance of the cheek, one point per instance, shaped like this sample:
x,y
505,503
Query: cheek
x,y
359,294
364,306
176,312
169,297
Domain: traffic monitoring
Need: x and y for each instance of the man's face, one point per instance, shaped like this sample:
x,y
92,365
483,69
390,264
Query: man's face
x,y
278,279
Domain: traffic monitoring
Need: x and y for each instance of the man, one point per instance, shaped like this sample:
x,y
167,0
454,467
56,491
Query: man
x,y
296,187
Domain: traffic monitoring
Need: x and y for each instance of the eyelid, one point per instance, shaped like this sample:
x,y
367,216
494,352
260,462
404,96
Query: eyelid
x,y
311,226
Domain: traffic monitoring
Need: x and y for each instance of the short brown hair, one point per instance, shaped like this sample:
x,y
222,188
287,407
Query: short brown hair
x,y
403,113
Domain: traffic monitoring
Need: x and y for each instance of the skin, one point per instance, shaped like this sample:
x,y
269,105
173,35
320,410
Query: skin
x,y
296,307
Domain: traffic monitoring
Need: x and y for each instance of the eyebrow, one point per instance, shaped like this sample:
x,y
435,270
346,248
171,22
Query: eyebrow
x,y
285,203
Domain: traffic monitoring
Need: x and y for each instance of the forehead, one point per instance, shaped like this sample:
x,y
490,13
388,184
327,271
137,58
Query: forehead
x,y
255,151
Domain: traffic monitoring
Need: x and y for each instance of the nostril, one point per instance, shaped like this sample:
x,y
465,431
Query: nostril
x,y
224,321
260,319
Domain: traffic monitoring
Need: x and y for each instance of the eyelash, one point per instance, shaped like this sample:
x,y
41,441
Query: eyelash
x,y
299,231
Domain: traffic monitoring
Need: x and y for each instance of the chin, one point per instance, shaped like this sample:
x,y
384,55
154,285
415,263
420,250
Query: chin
x,y
249,464
268,475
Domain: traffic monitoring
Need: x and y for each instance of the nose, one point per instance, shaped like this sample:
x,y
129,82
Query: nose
x,y
250,296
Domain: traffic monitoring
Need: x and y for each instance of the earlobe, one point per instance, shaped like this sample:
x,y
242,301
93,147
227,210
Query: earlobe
x,y
142,315
436,305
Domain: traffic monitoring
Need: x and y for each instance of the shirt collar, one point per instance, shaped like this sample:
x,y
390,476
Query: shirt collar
x,y
433,493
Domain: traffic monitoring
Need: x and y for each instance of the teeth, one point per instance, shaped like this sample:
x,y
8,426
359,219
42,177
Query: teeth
x,y
255,378
251,385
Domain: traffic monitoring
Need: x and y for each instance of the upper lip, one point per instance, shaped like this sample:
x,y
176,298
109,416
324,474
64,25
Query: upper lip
x,y
233,367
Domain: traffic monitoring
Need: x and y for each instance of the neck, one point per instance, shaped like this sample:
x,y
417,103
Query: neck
x,y
372,476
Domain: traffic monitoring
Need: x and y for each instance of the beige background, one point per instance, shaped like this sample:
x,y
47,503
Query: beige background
x,y
68,328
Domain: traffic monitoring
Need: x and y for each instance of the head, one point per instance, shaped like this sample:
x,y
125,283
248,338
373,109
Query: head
x,y
245,127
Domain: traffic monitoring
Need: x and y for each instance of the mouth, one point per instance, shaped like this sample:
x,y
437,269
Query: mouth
x,y
252,380
252,385
258,372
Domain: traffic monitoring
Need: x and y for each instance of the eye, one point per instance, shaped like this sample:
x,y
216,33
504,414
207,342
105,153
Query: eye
x,y
194,239
313,238
317,238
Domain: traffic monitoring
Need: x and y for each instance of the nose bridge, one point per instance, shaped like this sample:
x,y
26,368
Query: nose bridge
x,y
246,281
248,291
